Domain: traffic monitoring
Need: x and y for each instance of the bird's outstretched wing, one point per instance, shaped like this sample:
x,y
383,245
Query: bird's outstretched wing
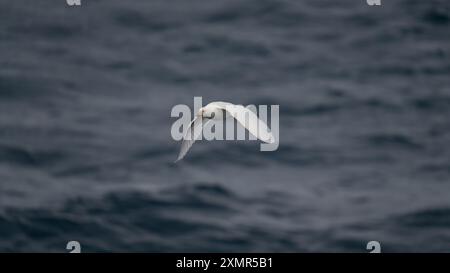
x,y
192,134
249,120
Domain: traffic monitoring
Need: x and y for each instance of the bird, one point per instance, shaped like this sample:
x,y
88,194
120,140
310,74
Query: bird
x,y
219,110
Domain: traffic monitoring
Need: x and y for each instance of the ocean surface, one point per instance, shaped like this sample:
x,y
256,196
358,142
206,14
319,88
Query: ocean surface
x,y
86,152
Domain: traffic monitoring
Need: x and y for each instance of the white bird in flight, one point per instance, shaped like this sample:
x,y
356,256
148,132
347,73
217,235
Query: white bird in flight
x,y
217,111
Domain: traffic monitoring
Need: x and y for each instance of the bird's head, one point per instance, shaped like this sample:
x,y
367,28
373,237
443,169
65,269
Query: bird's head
x,y
204,112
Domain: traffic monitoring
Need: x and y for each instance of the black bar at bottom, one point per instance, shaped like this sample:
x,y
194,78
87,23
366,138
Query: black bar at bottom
x,y
226,262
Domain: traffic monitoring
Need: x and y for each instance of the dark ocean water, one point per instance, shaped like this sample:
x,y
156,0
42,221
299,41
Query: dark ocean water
x,y
85,147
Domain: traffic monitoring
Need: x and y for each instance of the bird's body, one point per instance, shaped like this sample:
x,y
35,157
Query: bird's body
x,y
219,111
